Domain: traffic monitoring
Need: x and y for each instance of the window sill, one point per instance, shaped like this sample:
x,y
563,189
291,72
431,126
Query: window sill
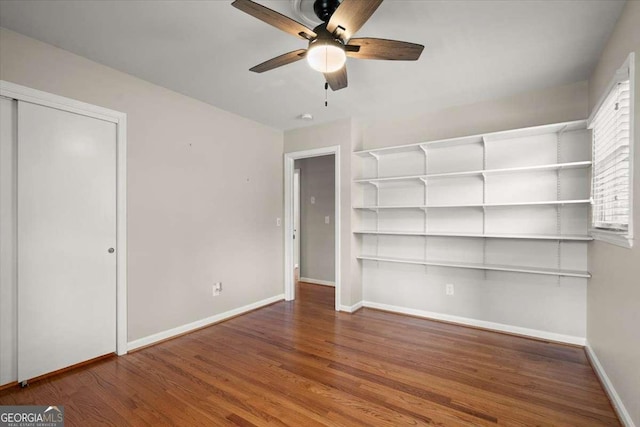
x,y
613,238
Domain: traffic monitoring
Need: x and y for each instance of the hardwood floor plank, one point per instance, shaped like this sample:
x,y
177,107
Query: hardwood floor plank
x,y
304,364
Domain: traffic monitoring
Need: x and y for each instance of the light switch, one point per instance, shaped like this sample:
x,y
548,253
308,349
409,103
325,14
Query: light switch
x,y
327,219
313,200
278,222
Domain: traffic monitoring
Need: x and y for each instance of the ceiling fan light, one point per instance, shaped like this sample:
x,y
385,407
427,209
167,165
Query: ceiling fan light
x,y
326,57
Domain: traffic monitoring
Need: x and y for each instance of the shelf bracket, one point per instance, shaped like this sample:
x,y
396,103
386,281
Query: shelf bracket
x,y
558,196
484,201
562,130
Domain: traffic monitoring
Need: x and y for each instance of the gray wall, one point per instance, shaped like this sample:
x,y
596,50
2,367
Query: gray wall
x,y
317,239
613,297
205,189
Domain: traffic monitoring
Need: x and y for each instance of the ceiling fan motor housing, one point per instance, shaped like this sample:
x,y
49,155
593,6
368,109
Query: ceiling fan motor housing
x,y
325,8
325,53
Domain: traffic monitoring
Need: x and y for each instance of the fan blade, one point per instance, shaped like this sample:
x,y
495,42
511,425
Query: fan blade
x,y
279,61
338,79
274,18
394,50
350,16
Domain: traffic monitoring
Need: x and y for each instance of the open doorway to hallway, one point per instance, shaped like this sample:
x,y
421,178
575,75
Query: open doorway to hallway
x,y
314,220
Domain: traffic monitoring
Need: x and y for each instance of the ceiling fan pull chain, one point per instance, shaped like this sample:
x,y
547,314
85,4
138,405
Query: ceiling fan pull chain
x,y
326,89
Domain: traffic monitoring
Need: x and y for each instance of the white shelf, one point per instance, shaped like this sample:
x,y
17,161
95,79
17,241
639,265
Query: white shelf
x,y
480,138
478,235
477,266
481,205
549,167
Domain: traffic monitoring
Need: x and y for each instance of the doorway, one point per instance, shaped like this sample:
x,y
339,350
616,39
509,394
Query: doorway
x,y
314,236
326,221
296,225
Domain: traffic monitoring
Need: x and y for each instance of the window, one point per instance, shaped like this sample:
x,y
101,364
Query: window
x,y
611,189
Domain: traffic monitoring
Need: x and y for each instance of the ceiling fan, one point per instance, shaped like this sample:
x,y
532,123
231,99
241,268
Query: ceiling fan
x,y
331,42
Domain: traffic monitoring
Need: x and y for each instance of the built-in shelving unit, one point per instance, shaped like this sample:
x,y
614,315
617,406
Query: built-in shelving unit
x,y
525,185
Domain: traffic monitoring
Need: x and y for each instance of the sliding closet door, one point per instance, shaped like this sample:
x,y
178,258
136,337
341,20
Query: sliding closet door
x,y
8,310
66,235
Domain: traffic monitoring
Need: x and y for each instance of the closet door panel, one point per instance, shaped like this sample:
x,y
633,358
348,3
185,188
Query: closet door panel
x,y
8,297
66,229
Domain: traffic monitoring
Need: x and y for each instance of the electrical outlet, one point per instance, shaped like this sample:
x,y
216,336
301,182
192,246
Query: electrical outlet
x,y
217,289
313,200
327,220
448,289
278,222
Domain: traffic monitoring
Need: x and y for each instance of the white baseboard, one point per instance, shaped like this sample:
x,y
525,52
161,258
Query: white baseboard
x,y
622,412
317,281
351,309
142,342
551,336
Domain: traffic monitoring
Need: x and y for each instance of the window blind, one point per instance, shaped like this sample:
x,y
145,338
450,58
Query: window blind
x,y
611,161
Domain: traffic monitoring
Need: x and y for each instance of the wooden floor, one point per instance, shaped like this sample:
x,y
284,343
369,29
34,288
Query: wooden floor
x,y
303,364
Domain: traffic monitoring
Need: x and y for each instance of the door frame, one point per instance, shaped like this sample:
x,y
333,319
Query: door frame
x,y
296,201
26,94
289,159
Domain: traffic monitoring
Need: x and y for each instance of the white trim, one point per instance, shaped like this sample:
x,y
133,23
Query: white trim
x,y
299,232
627,70
317,281
621,410
160,336
351,309
612,237
22,93
551,336
621,74
289,159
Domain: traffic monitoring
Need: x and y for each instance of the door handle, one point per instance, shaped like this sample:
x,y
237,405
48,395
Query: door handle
x,y
111,250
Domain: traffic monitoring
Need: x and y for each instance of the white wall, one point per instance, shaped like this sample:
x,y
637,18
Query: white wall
x,y
613,312
558,104
205,189
317,239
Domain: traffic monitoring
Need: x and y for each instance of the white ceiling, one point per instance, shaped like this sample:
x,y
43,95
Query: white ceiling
x,y
474,50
